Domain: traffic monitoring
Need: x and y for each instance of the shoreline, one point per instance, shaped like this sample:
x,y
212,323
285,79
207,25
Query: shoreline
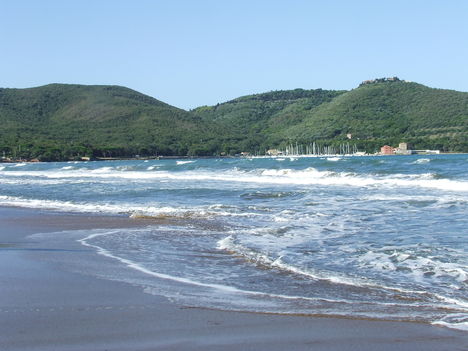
x,y
46,306
156,158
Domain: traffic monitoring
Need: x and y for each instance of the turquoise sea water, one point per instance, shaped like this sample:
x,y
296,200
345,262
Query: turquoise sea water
x,y
380,237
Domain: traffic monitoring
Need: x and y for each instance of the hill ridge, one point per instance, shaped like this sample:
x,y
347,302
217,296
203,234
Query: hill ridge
x,y
61,121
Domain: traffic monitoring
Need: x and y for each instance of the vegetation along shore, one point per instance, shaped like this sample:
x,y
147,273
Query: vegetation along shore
x,y
60,122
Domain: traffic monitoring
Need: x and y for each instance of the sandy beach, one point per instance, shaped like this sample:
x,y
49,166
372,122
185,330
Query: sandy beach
x,y
45,306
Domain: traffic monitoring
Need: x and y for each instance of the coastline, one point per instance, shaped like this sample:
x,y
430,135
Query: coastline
x,y
45,306
185,157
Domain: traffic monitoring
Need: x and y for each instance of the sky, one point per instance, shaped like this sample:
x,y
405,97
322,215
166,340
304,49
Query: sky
x,y
202,52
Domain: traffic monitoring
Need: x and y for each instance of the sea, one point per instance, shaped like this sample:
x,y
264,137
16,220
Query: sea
x,y
379,237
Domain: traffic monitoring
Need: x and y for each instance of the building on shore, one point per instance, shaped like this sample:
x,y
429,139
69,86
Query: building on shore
x,y
403,149
274,152
387,150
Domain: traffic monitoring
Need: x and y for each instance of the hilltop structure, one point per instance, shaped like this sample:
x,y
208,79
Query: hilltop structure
x,y
381,80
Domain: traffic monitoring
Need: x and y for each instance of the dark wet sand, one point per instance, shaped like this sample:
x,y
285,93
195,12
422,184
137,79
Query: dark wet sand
x,y
44,306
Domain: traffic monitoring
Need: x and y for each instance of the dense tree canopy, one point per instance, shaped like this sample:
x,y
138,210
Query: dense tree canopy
x,y
61,121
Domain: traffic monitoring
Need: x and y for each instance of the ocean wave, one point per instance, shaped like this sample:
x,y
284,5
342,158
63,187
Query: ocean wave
x,y
125,168
284,176
435,202
138,267
184,162
132,210
415,265
101,170
421,161
230,245
86,241
454,321
268,195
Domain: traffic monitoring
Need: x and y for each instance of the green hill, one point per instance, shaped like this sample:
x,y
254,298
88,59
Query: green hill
x,y
246,123
383,111
389,112
61,121
65,121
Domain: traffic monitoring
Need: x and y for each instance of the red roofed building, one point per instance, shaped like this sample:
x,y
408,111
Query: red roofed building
x,y
387,150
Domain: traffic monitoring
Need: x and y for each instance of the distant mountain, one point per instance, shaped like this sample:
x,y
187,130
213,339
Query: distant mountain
x,y
248,123
61,121
390,111
66,121
377,112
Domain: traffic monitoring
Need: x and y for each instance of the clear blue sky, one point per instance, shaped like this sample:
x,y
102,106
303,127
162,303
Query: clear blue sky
x,y
201,52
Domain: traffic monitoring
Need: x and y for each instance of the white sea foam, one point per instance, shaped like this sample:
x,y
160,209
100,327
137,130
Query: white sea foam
x,y
308,176
103,170
454,321
183,162
421,161
393,259
312,237
222,288
124,168
229,244
67,167
133,210
459,326
334,159
63,206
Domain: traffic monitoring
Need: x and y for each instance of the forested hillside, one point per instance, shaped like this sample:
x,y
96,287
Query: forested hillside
x,y
65,121
245,123
389,112
61,121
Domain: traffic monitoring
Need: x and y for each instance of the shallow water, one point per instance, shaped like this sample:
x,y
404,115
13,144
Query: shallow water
x,y
379,237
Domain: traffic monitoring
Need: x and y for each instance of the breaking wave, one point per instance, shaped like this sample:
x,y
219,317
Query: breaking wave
x,y
308,176
130,209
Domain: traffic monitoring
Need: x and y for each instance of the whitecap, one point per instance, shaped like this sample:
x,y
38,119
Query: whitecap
x,y
454,321
155,210
103,170
421,161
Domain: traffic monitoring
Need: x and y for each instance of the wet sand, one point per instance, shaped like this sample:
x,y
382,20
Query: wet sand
x,y
45,306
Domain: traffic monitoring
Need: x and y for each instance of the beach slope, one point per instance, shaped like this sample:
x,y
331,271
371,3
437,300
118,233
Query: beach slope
x,y
45,306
